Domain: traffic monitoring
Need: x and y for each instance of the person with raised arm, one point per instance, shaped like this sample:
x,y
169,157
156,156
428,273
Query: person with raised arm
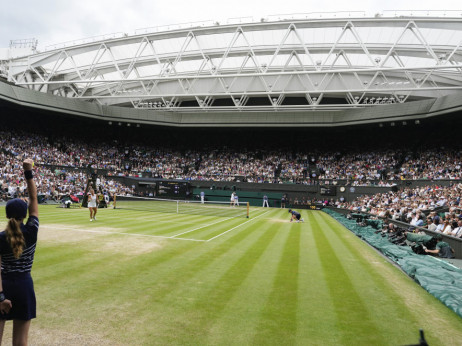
x,y
17,250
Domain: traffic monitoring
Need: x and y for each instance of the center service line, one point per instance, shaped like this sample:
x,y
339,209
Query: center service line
x,y
195,229
219,235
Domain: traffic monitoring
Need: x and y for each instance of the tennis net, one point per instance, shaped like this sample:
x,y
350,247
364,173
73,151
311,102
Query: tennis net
x,y
208,208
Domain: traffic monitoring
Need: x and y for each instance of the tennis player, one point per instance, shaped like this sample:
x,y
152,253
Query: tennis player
x,y
17,250
92,204
232,199
295,216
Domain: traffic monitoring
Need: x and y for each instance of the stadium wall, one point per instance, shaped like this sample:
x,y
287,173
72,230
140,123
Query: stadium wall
x,y
294,190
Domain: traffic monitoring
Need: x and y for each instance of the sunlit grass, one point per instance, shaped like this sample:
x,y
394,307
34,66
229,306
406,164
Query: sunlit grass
x,y
123,280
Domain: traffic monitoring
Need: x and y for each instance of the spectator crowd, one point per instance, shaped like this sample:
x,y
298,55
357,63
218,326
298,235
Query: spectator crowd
x,y
62,168
417,206
225,164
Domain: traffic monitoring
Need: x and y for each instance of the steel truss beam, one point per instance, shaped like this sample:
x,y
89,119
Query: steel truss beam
x,y
348,66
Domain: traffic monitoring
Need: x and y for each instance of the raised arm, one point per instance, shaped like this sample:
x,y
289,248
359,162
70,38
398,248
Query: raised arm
x,y
28,164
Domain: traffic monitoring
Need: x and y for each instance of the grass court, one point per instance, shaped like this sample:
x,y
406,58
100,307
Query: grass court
x,y
150,278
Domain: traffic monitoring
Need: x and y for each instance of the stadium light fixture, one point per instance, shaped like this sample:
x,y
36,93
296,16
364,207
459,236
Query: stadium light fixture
x,y
392,124
417,122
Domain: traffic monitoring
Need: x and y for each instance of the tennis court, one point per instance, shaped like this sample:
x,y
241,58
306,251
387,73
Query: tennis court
x,y
139,277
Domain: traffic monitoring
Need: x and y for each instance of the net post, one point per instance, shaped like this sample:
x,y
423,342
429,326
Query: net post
x,y
248,209
177,207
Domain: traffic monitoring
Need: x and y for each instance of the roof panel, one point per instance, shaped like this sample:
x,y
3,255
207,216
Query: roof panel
x,y
281,53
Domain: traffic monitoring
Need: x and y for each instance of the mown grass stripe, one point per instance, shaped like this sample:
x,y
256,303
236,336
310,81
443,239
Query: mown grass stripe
x,y
131,291
227,287
352,315
195,280
279,317
315,304
207,232
242,315
204,251
102,232
201,227
401,300
232,229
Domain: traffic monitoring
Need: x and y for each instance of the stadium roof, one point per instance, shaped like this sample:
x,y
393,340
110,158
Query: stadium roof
x,y
284,65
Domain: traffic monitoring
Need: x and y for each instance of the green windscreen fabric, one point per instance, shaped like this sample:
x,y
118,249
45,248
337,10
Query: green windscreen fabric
x,y
439,278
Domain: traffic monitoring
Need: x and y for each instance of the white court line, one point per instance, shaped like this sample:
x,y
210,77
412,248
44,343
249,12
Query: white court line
x,y
195,229
123,233
219,235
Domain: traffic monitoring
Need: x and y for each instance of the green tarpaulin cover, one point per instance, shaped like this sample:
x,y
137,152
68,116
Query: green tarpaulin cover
x,y
439,278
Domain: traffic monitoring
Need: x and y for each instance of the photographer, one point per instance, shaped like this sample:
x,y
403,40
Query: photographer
x,y
442,249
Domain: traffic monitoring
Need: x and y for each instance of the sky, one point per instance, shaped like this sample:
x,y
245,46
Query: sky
x,y
58,21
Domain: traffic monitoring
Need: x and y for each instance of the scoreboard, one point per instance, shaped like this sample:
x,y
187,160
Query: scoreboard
x,y
328,191
177,189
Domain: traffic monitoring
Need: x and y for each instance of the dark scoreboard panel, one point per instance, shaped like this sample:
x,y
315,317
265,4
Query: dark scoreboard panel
x,y
328,191
172,189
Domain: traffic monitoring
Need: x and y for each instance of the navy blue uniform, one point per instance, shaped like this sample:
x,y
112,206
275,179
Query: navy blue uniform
x,y
16,279
296,214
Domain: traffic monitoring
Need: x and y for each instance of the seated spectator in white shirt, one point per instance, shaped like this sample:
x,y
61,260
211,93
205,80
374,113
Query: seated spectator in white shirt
x,y
447,229
457,232
430,224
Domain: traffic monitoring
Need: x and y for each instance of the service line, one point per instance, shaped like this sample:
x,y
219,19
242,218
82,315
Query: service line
x,y
122,233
